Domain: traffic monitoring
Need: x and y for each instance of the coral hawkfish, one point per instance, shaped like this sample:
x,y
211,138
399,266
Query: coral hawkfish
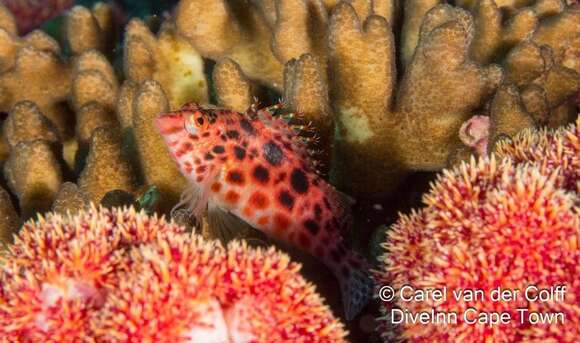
x,y
254,167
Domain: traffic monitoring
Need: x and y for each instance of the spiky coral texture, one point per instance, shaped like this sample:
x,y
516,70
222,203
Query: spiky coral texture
x,y
190,290
59,269
120,275
486,225
551,149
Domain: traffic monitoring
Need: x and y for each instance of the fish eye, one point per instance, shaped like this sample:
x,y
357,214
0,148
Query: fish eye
x,y
196,122
191,125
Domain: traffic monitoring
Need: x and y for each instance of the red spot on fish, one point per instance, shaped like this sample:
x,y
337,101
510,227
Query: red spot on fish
x,y
186,146
200,169
187,168
232,197
199,178
216,186
263,220
259,200
248,211
281,223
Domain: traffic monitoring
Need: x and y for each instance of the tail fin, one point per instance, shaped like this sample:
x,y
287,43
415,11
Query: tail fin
x,y
356,287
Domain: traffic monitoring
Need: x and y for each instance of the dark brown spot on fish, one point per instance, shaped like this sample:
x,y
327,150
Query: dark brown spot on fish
x,y
261,174
311,226
299,181
247,126
223,138
317,212
199,178
235,177
219,149
233,134
259,200
240,153
286,199
208,156
273,154
193,137
205,134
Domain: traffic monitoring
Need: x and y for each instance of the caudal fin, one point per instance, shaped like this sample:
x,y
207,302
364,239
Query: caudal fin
x,y
356,286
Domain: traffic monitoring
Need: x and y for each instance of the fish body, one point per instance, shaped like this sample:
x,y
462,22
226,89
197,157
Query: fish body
x,y
252,166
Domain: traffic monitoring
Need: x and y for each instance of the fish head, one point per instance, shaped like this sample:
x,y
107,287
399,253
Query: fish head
x,y
193,136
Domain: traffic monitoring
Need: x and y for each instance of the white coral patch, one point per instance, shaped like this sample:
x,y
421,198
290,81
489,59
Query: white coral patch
x,y
217,325
355,125
238,321
212,328
187,80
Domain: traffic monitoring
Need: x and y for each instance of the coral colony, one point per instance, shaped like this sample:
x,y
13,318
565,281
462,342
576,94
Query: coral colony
x,y
290,171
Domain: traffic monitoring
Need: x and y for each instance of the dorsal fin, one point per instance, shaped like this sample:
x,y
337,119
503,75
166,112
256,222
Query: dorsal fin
x,y
291,127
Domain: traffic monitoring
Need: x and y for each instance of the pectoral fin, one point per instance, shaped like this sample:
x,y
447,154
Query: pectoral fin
x,y
224,225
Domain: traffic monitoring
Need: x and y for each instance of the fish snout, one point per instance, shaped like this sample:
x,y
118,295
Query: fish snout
x,y
169,123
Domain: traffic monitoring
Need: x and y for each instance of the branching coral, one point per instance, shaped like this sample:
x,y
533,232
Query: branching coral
x,y
485,225
42,77
155,163
34,174
70,199
382,124
167,59
106,168
31,14
9,220
91,29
